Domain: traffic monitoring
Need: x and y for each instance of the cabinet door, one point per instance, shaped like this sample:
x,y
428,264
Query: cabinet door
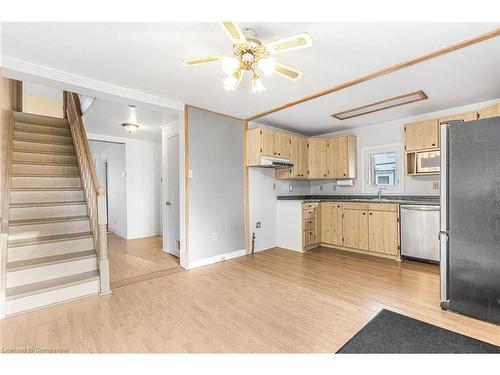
x,y
267,139
317,158
471,116
296,171
331,223
492,111
383,232
302,157
422,135
281,145
355,229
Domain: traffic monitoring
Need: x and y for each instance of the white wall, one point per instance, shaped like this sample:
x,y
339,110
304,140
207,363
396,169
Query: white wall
x,y
42,100
143,171
384,134
115,155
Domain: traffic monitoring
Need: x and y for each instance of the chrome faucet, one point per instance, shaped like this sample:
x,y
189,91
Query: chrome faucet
x,y
379,194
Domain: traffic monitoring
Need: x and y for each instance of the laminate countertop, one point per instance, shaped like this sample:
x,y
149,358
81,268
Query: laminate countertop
x,y
397,199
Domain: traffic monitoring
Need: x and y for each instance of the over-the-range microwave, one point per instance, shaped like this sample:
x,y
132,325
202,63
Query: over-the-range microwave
x,y
428,161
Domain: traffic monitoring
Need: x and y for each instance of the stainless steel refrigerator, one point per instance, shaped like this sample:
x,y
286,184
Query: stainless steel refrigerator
x,y
470,218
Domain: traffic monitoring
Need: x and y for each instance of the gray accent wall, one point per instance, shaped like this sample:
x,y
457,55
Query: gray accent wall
x,y
216,197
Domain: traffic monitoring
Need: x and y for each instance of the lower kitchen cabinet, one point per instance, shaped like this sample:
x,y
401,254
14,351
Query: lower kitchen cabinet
x,y
383,232
311,224
355,228
331,223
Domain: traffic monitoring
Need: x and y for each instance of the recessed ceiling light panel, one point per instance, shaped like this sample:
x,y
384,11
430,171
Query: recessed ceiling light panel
x,y
381,105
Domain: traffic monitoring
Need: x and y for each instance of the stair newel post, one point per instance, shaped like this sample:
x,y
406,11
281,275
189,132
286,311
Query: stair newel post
x,y
102,221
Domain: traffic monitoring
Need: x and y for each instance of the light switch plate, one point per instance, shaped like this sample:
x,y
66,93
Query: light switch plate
x,y
290,188
320,187
258,224
190,173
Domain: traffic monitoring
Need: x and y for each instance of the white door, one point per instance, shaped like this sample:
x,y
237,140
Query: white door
x,y
172,204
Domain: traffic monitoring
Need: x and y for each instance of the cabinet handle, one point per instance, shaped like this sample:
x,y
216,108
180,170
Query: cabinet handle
x,y
433,144
364,213
370,213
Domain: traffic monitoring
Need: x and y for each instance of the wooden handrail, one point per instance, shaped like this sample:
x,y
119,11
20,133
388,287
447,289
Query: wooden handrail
x,y
94,193
4,226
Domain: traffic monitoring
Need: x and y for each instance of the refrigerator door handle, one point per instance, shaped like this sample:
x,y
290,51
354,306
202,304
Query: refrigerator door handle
x,y
443,233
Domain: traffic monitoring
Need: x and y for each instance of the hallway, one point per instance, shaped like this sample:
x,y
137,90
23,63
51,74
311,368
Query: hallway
x,y
131,261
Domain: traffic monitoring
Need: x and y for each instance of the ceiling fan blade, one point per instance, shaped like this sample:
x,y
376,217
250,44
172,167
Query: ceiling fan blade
x,y
302,40
201,60
234,32
287,72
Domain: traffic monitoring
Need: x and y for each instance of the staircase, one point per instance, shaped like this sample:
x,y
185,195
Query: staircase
x,y
51,243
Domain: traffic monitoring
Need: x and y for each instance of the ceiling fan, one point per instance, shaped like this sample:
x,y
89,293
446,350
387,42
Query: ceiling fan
x,y
250,54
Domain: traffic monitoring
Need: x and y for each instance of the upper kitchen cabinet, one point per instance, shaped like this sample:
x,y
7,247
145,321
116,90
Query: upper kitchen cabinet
x,y
470,116
492,111
298,156
341,157
318,158
266,142
282,145
422,135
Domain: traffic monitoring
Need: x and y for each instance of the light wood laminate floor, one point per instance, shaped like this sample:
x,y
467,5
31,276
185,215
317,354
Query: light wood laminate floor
x,y
133,260
275,301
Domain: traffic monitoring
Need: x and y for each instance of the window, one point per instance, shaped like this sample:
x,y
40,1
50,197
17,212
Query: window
x,y
382,168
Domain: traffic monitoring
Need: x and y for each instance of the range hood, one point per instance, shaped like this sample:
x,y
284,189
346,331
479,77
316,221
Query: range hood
x,y
274,162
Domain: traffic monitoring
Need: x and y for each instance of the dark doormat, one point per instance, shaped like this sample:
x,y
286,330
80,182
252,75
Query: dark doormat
x,y
389,332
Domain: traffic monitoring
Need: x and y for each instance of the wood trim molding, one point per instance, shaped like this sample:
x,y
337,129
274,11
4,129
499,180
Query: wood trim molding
x,y
246,212
420,93
186,181
17,95
381,72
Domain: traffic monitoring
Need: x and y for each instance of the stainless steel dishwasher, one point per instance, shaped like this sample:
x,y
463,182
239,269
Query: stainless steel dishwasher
x,y
419,232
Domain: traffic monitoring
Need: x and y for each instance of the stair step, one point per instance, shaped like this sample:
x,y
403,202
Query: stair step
x,y
36,157
50,292
41,129
31,228
22,211
27,272
45,181
47,260
42,146
46,204
49,246
30,118
38,195
14,223
42,169
49,239
42,137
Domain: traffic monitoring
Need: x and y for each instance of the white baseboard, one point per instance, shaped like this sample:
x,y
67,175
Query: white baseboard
x,y
117,232
217,258
136,237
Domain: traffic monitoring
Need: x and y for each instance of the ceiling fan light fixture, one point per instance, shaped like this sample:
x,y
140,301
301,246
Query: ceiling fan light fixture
x,y
130,127
229,64
232,81
257,85
266,65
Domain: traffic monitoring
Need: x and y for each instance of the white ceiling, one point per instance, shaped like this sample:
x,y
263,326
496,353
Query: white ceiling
x,y
147,57
105,117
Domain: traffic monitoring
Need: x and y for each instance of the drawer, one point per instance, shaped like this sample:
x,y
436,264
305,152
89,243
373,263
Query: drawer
x,y
308,224
355,206
383,207
309,237
308,214
308,206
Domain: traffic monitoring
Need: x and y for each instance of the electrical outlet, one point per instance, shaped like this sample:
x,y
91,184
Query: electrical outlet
x,y
290,187
190,173
320,187
258,224
435,185
214,236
